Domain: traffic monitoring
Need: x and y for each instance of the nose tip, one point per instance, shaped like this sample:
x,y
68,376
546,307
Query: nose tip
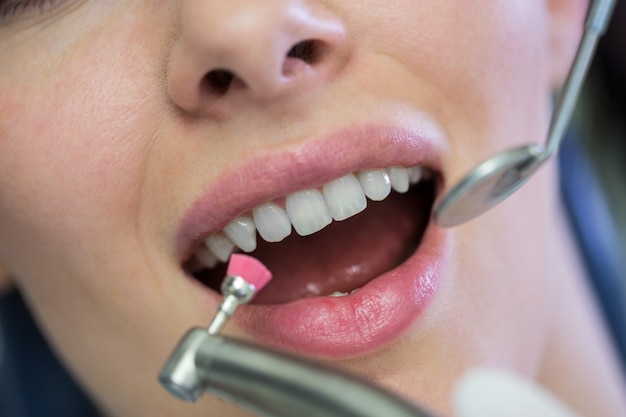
x,y
258,49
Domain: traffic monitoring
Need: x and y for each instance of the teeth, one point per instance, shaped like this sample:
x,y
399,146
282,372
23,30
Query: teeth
x,y
399,177
272,222
242,232
343,294
308,212
375,183
220,245
415,174
205,257
344,197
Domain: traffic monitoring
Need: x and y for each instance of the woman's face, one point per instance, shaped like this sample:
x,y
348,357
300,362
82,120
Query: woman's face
x,y
130,131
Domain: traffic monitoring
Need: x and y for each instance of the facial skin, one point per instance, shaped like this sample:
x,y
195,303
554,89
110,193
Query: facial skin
x,y
108,137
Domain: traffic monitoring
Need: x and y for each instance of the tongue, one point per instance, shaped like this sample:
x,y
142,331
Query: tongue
x,y
345,255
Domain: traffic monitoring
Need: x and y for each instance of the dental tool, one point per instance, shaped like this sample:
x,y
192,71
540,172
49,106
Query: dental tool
x,y
266,381
500,176
244,278
273,383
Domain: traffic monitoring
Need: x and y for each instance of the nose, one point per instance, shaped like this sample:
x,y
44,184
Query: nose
x,y
257,49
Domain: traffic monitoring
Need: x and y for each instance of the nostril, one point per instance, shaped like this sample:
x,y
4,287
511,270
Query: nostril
x,y
308,51
218,81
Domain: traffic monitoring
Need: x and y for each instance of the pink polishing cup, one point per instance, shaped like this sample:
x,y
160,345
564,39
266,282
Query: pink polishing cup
x,y
250,269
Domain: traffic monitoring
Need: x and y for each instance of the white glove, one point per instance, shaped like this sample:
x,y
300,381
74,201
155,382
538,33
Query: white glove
x,y
493,393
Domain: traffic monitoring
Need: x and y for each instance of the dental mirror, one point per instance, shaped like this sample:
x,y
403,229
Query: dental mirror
x,y
500,176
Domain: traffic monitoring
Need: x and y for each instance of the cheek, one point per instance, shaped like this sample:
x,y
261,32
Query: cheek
x,y
73,143
488,64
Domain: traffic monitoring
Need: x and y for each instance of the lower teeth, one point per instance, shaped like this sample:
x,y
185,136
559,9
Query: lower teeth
x,y
338,294
343,294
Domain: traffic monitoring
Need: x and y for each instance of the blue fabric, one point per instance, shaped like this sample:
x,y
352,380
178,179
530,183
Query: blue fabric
x,y
32,381
596,236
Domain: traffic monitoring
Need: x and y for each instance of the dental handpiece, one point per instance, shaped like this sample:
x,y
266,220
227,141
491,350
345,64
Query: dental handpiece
x,y
266,381
273,383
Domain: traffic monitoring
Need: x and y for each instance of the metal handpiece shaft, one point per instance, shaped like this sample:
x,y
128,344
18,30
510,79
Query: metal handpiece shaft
x,y
224,313
236,291
273,383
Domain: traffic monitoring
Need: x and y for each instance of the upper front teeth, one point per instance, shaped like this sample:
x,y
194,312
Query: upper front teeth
x,y
399,179
344,197
375,183
272,222
308,211
242,232
220,245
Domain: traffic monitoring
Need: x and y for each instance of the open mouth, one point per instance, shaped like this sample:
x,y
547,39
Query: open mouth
x,y
327,241
342,221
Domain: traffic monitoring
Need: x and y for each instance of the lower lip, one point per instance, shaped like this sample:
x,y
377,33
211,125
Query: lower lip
x,y
367,320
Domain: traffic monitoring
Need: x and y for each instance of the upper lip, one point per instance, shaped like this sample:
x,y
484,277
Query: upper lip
x,y
261,178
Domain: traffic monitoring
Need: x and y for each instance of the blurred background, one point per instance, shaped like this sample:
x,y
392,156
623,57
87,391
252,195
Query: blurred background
x,y
602,116
593,163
